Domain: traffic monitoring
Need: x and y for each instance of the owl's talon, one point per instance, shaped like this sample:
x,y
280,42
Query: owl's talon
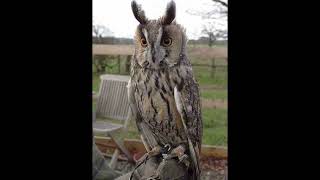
x,y
184,159
180,153
168,156
155,151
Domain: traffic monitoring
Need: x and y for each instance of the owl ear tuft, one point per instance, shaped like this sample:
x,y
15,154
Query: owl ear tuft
x,y
170,13
138,12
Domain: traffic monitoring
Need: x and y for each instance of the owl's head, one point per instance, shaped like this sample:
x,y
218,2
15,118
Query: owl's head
x,y
158,43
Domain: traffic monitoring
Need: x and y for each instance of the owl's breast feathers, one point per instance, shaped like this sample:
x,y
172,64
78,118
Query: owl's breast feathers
x,y
156,104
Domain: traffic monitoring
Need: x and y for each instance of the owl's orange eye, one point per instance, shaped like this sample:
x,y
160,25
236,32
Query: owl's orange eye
x,y
166,42
143,42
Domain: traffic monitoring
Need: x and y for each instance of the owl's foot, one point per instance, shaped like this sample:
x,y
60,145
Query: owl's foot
x,y
180,153
155,151
184,159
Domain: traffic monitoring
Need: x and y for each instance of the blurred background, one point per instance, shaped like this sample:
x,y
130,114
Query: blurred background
x,y
206,27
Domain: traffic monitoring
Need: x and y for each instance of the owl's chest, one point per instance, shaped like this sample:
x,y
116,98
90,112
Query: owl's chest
x,y
156,104
154,96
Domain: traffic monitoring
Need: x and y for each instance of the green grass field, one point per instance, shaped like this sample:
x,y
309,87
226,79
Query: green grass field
x,y
213,89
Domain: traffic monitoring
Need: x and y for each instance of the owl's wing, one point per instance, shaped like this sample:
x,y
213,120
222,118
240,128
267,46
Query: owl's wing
x,y
146,135
187,99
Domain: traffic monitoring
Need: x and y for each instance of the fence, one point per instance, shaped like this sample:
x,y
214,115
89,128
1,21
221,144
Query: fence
x,y
216,58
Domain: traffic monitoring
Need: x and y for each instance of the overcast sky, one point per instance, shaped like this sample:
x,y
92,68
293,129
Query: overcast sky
x,y
117,15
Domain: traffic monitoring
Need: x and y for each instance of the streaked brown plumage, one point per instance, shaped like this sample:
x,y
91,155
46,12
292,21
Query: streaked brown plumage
x,y
163,93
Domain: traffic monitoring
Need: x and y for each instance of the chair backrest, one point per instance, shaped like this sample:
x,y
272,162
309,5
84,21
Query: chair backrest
x,y
113,98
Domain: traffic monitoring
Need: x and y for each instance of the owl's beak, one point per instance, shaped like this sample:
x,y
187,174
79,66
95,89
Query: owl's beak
x,y
162,63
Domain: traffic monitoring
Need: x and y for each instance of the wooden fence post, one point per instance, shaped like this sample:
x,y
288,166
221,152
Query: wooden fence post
x,y
213,68
119,64
128,64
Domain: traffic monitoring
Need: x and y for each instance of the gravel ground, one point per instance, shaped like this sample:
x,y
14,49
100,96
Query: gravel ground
x,y
213,169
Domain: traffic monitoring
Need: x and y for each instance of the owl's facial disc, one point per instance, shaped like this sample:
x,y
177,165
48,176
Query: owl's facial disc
x,y
154,53
160,42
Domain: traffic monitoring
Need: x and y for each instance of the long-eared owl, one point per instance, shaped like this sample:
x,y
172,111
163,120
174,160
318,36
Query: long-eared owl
x,y
163,93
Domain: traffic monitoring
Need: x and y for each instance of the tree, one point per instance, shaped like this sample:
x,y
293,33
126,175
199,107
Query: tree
x,y
223,3
99,33
210,32
216,18
213,33
219,10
